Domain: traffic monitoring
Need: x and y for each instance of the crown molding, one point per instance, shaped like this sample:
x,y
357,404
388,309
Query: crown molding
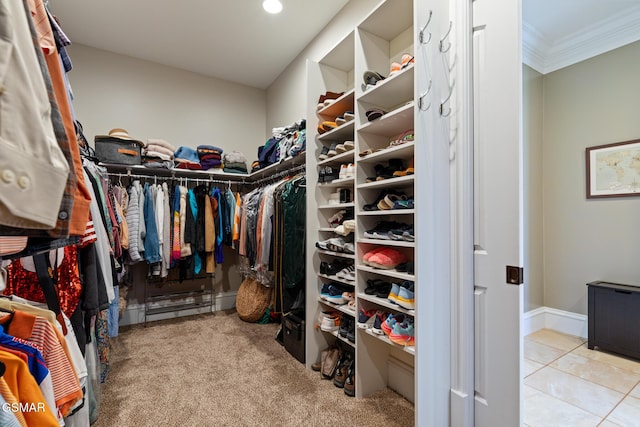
x,y
545,56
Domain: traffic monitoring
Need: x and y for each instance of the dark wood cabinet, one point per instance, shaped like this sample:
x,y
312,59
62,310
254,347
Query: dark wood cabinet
x,y
614,318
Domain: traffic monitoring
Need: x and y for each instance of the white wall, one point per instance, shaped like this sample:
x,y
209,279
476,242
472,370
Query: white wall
x,y
155,101
286,97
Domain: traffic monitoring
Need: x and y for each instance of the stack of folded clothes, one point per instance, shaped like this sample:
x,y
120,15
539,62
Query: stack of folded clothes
x,y
210,156
187,158
235,162
158,154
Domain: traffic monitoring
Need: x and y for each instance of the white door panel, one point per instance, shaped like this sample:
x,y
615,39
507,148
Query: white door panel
x,y
497,211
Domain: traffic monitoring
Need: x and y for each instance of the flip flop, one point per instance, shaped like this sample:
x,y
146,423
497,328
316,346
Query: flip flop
x,y
372,77
404,137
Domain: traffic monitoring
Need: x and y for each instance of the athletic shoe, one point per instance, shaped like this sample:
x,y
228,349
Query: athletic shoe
x,y
324,291
347,273
335,294
330,321
406,295
344,326
392,319
324,153
393,294
366,318
403,334
379,321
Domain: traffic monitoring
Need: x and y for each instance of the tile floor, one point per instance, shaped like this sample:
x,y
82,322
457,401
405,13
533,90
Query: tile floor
x,y
566,384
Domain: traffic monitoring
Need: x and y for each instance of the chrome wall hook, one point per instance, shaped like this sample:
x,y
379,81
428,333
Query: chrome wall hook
x,y
445,37
421,99
422,31
446,113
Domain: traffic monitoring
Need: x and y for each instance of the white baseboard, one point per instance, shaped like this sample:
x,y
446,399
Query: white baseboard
x,y
558,320
134,313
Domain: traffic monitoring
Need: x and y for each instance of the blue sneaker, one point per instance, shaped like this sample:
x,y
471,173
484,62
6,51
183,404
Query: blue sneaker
x,y
335,294
324,291
402,333
393,294
406,295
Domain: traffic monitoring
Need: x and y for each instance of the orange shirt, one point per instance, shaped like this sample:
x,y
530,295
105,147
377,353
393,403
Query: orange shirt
x,y
26,391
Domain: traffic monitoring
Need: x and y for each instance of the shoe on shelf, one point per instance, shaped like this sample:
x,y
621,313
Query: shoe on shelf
x,y
407,59
335,294
332,150
340,148
349,145
337,218
344,327
318,365
393,294
392,319
380,318
330,321
403,204
394,165
328,95
350,383
408,171
347,273
324,291
349,248
406,267
406,295
340,120
366,318
403,138
402,333
348,115
396,67
387,259
377,169
343,171
372,252
324,153
351,331
351,306
330,363
389,201
408,235
343,369
384,290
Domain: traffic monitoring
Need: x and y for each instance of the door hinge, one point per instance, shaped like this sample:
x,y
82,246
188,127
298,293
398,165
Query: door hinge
x,y
515,275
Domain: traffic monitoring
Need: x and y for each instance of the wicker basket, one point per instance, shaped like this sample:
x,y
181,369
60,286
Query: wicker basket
x,y
252,300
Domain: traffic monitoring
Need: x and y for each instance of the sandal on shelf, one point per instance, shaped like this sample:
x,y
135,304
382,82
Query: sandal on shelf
x,y
328,125
403,204
389,201
378,170
407,59
407,171
404,137
375,113
388,172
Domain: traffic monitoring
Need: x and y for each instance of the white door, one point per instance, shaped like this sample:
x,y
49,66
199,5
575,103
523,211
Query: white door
x,y
497,92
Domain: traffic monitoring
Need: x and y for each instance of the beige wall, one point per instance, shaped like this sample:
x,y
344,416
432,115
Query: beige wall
x,y
286,97
533,206
155,101
590,103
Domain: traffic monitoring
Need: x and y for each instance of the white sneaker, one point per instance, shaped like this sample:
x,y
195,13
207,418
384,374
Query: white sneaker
x,y
351,171
344,170
347,273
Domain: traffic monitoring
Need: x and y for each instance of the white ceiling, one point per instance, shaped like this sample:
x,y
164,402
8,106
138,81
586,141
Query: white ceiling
x,y
235,40
558,33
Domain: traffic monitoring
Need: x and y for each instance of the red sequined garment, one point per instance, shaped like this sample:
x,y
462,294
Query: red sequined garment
x,y
25,283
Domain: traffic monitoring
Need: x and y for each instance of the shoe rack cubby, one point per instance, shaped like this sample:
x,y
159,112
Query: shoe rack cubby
x,y
381,39
333,74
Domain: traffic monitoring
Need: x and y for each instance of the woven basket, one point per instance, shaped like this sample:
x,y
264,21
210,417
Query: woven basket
x,y
252,300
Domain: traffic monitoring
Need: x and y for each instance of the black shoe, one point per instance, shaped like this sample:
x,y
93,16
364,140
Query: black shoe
x,y
324,154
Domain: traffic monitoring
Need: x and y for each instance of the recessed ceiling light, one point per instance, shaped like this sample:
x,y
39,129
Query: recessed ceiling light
x,y
272,6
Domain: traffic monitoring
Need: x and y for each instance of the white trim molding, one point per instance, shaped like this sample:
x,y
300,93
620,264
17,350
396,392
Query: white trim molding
x,y
558,320
546,56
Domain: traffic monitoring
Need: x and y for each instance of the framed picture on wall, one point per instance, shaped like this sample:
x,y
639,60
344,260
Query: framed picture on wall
x,y
613,170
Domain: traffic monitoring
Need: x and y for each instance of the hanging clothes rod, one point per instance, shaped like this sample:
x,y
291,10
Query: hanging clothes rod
x,y
175,178
278,175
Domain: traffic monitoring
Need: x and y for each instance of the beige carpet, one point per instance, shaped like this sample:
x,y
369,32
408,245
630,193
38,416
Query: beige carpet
x,y
216,370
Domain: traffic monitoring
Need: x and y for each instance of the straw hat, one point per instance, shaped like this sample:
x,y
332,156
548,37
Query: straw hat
x,y
119,133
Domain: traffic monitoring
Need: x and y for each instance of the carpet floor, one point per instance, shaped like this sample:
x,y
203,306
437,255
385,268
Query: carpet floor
x,y
216,370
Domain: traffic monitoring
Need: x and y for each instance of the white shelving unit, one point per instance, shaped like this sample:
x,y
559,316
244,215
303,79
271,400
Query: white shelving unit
x,y
380,39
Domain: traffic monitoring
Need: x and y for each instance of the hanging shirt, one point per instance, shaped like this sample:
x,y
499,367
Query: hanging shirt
x,y
151,243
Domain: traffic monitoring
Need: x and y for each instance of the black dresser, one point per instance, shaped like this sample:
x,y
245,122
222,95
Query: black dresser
x,y
614,318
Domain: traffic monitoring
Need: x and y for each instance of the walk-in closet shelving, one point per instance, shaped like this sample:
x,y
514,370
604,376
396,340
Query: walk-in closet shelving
x,y
381,39
332,192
